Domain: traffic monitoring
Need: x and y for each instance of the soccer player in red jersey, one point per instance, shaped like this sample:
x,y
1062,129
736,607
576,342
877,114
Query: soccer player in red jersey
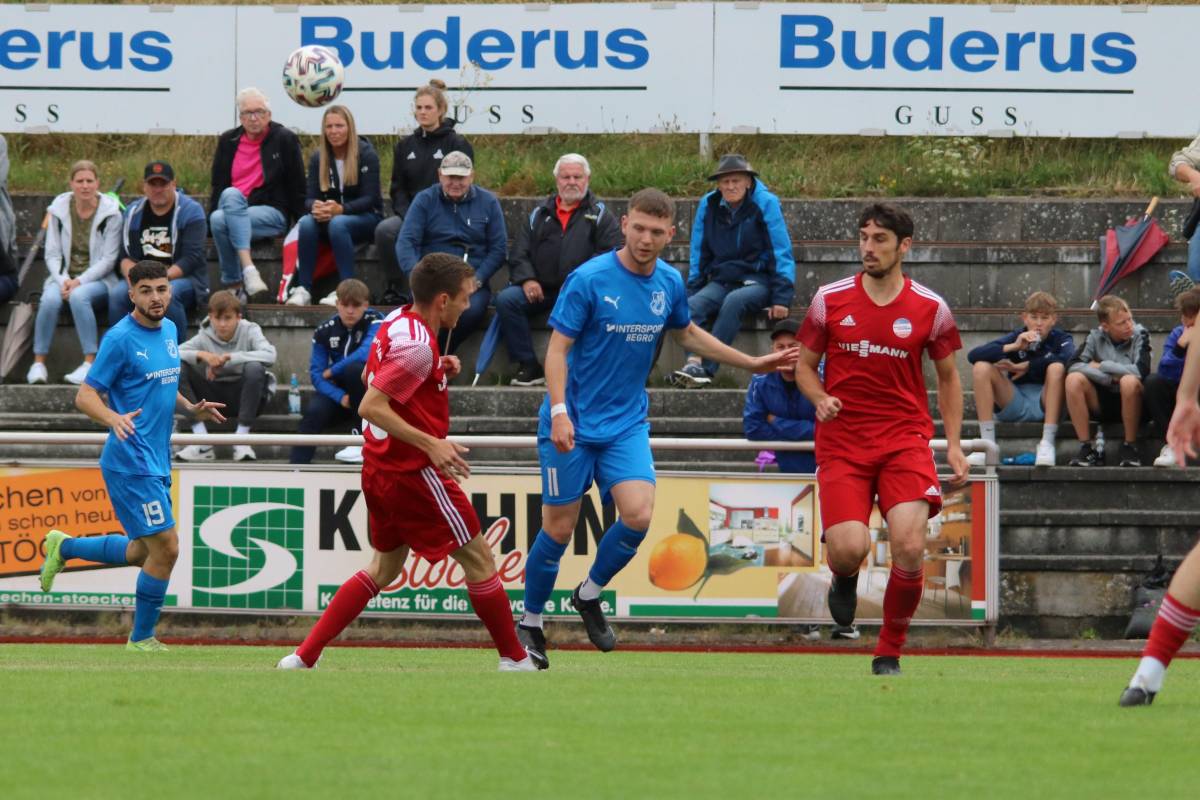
x,y
409,465
1180,609
873,423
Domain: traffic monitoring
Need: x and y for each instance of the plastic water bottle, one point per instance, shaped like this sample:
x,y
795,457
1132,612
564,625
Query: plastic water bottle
x,y
294,396
1100,443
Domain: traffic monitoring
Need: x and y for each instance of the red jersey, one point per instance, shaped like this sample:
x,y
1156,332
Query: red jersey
x,y
405,364
873,364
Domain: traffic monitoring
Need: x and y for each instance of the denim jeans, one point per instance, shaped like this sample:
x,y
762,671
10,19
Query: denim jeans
x,y
323,412
8,287
83,301
728,305
1193,262
234,224
183,300
342,232
514,310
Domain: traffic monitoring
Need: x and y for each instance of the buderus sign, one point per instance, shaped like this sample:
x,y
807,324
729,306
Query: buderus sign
x,y
94,50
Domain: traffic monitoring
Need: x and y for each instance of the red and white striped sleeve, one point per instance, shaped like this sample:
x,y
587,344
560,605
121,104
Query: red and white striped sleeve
x,y
407,363
812,330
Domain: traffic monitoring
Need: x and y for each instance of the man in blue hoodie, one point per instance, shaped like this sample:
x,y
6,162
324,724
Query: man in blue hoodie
x,y
341,346
169,227
464,220
741,260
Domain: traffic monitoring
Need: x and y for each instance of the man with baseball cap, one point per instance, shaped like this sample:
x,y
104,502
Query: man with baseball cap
x,y
464,220
741,260
167,226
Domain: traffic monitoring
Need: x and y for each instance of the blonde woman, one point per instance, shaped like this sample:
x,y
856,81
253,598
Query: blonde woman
x,y
343,202
83,238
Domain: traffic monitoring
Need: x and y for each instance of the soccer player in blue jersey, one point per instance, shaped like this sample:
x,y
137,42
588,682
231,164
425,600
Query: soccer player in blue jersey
x,y
138,368
593,426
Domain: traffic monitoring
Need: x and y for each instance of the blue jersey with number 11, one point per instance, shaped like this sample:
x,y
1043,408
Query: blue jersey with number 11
x,y
138,367
616,318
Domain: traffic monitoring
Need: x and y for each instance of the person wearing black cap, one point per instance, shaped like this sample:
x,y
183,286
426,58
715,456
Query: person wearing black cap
x,y
741,260
169,227
776,410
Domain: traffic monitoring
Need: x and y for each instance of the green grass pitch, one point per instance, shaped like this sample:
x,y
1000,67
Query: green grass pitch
x,y
218,722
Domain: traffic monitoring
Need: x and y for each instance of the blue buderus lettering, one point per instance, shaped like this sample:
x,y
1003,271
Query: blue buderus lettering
x,y
148,50
810,41
446,47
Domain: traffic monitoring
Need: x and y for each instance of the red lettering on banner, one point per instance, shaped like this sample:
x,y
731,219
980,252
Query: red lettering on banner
x,y
419,573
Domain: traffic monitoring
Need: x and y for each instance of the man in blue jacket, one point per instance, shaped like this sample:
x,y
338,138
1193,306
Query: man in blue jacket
x,y
776,410
461,219
341,346
1163,385
169,227
741,260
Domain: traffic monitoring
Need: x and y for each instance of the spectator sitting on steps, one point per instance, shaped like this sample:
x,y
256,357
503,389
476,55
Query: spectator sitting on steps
x,y
83,240
226,361
1105,380
741,260
8,232
1162,386
1020,376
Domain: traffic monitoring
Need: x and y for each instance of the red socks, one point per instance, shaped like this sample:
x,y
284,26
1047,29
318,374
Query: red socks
x,y
900,601
1172,626
347,604
490,602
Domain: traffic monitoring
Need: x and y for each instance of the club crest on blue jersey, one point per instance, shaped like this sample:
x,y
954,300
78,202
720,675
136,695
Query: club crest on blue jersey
x,y
658,303
172,350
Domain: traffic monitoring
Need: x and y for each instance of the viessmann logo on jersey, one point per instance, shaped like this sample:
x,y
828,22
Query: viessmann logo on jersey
x,y
248,547
865,348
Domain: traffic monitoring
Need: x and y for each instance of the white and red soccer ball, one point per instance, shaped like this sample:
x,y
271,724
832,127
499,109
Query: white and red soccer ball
x,y
313,76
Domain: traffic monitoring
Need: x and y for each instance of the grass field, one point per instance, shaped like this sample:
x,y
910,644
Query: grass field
x,y
97,722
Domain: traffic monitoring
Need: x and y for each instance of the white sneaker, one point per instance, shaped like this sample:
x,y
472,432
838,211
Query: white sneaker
x,y
1166,457
244,452
1045,454
329,299
37,373
349,455
524,665
976,459
252,281
293,661
196,452
77,375
298,296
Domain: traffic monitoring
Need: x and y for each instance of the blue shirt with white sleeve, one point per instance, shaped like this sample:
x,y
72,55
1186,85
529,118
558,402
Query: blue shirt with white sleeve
x,y
138,367
616,318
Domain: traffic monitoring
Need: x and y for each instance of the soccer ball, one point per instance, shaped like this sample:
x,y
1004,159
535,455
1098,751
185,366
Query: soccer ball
x,y
313,76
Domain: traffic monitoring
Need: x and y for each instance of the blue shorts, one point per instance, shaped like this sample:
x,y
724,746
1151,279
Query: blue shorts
x,y
142,502
1025,406
566,477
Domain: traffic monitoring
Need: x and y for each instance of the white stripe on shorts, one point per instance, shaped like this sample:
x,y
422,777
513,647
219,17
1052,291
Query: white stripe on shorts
x,y
457,525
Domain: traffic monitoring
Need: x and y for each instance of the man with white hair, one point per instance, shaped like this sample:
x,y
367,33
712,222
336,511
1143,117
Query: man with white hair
x,y
258,188
568,228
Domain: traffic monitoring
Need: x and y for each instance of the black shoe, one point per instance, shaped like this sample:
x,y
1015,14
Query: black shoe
x,y
534,641
690,376
392,296
1136,696
598,629
1130,457
885,665
1088,457
843,599
844,632
529,375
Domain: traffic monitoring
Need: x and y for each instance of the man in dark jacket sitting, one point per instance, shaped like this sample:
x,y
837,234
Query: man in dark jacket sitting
x,y
568,228
741,260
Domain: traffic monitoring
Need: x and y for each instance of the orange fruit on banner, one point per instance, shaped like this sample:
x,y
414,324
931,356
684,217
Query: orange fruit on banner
x,y
678,561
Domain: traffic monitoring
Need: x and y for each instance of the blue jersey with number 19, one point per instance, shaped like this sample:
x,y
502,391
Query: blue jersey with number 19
x,y
138,367
616,318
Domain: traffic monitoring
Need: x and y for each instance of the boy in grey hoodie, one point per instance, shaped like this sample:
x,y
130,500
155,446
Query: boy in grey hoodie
x,y
227,361
1105,381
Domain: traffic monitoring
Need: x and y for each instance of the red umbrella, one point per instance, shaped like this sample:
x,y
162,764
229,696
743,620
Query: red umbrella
x,y
1124,250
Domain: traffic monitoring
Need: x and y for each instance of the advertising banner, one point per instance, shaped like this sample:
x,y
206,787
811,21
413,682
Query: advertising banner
x,y
720,547
799,68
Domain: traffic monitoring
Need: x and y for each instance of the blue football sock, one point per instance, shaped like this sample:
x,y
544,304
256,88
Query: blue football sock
x,y
151,592
101,549
617,548
541,571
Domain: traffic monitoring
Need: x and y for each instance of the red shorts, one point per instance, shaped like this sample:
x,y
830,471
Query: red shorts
x,y
424,510
847,489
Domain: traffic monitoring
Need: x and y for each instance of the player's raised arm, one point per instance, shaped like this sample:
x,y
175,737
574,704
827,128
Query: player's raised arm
x,y
89,401
562,430
950,405
1184,431
696,340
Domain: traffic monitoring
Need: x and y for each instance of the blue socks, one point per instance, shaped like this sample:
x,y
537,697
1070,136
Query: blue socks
x,y
541,571
101,549
617,548
150,595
